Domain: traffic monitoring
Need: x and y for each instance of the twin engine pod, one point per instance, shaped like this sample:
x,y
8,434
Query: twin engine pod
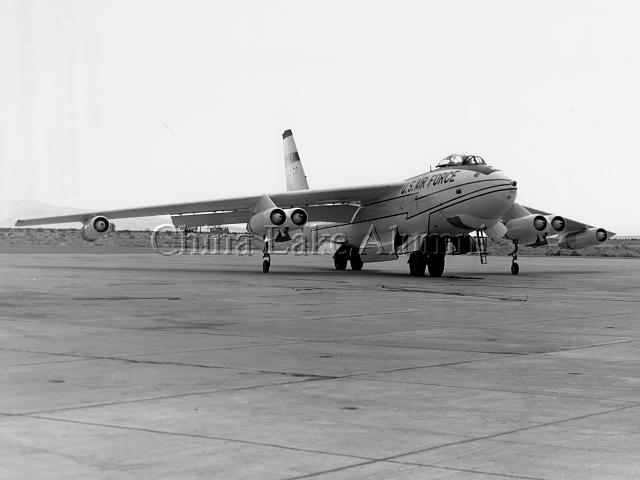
x,y
533,229
94,228
290,218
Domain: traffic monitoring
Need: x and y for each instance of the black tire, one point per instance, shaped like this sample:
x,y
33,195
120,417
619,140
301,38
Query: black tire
x,y
340,261
417,264
265,266
436,265
515,269
355,260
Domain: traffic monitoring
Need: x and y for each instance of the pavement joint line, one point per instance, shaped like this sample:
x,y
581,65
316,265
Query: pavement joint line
x,y
561,395
362,464
55,362
195,435
181,364
559,319
240,347
126,360
223,334
307,379
465,470
369,460
168,397
594,345
415,347
395,458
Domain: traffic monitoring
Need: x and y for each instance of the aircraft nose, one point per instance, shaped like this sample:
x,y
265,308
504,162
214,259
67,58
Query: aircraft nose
x,y
509,190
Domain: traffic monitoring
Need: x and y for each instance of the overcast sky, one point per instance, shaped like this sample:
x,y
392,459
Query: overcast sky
x,y
108,104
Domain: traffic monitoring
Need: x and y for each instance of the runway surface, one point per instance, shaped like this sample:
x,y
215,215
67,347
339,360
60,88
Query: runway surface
x,y
142,366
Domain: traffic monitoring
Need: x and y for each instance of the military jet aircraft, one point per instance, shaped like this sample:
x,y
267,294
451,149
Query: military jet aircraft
x,y
452,208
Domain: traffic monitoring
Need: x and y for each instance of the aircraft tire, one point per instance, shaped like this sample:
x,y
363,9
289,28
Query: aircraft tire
x,y
265,266
515,269
436,265
340,261
417,264
355,260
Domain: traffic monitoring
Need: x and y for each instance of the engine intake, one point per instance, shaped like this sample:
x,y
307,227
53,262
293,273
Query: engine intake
x,y
95,228
289,219
296,218
556,223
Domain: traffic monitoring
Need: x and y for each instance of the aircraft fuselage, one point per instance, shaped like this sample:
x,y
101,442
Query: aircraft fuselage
x,y
446,201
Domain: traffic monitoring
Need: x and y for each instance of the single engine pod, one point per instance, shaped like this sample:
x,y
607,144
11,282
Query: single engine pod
x,y
527,230
587,238
94,228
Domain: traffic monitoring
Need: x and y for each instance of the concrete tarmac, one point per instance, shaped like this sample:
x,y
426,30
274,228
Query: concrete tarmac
x,y
143,366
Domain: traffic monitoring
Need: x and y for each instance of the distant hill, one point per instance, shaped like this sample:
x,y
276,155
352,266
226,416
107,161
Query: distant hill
x,y
12,210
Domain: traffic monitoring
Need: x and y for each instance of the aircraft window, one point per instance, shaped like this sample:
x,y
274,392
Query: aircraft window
x,y
453,160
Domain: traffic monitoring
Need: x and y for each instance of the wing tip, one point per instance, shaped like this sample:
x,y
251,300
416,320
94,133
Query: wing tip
x,y
286,133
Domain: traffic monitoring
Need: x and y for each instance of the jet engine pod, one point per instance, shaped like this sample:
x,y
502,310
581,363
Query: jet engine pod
x,y
261,222
296,218
587,238
527,230
556,223
95,228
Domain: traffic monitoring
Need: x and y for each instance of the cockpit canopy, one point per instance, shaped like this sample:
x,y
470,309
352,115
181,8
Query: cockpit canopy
x,y
458,160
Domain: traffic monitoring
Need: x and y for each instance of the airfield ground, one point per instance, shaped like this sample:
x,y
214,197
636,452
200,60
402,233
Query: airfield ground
x,y
143,366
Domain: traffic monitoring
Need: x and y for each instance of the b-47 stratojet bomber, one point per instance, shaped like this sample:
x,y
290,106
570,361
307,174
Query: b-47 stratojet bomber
x,y
452,208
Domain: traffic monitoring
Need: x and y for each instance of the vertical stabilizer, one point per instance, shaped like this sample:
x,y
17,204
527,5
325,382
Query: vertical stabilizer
x,y
294,173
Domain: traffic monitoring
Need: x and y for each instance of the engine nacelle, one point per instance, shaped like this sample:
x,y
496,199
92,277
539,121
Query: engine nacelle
x,y
588,238
555,224
265,220
291,219
95,228
296,218
528,230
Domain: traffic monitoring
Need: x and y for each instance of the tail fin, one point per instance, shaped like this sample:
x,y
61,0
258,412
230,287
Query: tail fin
x,y
296,179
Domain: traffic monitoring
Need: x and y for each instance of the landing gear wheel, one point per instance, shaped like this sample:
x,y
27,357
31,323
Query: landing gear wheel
x,y
340,259
515,269
355,260
266,258
436,265
417,264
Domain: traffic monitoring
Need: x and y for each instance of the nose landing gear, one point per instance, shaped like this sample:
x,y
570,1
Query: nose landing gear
x,y
266,258
515,268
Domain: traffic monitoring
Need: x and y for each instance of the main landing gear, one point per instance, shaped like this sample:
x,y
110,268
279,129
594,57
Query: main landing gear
x,y
429,257
515,268
419,262
346,255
